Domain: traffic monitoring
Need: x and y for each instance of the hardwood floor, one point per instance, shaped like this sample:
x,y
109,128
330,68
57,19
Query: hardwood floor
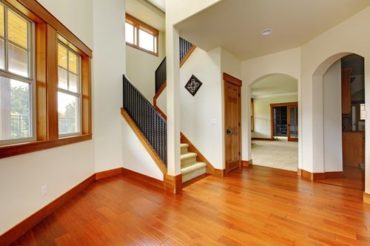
x,y
256,206
353,178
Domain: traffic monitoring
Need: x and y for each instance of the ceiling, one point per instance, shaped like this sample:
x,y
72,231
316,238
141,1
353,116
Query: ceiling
x,y
236,25
275,85
161,4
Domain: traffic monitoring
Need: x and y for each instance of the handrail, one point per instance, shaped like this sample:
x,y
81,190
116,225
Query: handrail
x,y
149,121
161,72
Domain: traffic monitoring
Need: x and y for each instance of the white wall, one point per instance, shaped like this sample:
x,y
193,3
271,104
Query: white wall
x,y
141,65
135,156
61,168
262,114
201,115
284,62
78,18
317,56
108,68
332,84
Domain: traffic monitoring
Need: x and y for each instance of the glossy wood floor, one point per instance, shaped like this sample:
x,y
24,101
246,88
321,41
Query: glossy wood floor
x,y
352,178
257,206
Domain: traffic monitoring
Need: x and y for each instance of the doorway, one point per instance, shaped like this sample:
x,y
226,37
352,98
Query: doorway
x,y
284,121
232,89
344,122
274,121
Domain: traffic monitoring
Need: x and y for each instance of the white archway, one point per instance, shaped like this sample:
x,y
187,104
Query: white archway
x,y
321,151
266,92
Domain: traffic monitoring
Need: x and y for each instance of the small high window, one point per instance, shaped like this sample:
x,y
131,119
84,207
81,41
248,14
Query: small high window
x,y
141,36
16,77
69,84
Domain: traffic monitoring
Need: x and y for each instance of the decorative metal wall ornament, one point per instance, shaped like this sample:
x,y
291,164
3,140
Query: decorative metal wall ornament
x,y
193,85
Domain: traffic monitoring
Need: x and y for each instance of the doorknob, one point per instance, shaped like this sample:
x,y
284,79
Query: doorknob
x,y
228,131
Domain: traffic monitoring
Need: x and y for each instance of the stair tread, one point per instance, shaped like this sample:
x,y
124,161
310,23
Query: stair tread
x,y
188,155
193,167
183,145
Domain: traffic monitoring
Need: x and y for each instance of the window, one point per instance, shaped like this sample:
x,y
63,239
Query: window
x,y
362,112
16,77
45,81
141,35
69,83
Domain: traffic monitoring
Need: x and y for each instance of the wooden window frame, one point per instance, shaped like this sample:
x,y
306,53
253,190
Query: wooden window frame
x,y
47,30
140,25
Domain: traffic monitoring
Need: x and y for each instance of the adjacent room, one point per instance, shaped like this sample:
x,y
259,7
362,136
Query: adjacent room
x,y
274,122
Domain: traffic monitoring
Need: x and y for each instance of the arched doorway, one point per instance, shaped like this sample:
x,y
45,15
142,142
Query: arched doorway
x,y
274,122
340,86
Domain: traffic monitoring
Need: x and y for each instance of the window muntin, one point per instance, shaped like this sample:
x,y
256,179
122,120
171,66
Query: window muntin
x,y
16,78
69,95
141,35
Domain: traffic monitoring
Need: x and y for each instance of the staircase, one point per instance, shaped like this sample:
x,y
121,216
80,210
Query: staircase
x,y
153,126
191,168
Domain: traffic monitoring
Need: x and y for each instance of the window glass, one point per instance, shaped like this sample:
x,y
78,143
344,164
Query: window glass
x,y
129,33
362,112
17,29
141,35
18,60
2,54
2,21
146,40
68,114
16,109
69,79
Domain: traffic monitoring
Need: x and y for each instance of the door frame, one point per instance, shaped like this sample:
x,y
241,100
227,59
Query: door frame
x,y
227,78
275,105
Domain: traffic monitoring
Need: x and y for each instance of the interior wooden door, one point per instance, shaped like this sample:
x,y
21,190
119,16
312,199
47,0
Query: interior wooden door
x,y
292,122
232,123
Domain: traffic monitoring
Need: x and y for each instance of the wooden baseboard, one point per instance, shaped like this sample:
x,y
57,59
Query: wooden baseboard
x,y
173,184
108,173
143,179
366,198
247,163
319,176
264,139
27,224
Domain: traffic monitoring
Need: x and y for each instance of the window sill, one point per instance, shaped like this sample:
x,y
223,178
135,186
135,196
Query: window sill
x,y
141,49
19,149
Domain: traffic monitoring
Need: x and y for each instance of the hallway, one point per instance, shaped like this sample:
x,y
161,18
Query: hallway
x,y
256,206
275,154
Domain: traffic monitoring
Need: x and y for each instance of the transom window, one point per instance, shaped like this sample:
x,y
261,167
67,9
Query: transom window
x,y
69,93
140,35
16,77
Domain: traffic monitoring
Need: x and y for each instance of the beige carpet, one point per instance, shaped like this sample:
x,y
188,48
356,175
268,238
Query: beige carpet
x,y
279,154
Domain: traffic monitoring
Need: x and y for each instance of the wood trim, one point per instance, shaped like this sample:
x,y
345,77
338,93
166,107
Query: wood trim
x,y
231,79
144,141
33,7
264,139
138,24
274,105
318,176
156,96
108,173
247,163
210,168
252,114
52,83
142,178
187,55
27,224
366,198
194,180
17,149
173,184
